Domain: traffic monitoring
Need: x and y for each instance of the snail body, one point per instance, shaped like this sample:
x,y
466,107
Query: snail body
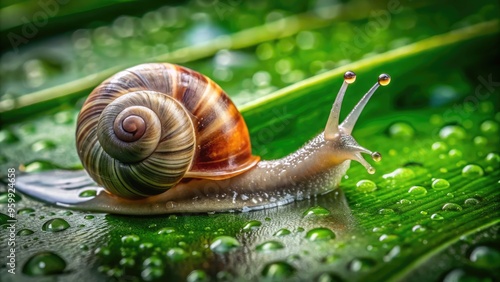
x,y
161,138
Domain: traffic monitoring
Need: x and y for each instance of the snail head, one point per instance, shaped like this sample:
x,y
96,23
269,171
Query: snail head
x,y
344,146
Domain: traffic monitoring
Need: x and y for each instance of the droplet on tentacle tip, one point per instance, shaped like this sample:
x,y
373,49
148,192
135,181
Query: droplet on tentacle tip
x,y
376,156
384,79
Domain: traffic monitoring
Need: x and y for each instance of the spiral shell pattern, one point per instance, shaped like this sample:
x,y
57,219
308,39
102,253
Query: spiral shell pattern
x,y
144,129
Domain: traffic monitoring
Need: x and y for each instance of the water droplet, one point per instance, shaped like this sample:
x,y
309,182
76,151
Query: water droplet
x,y
480,141
366,186
454,153
472,171
404,202
471,202
387,238
176,254
37,166
103,251
489,127
417,191
87,193
439,146
452,132
401,130
361,264
153,260
436,217
279,269
166,230
316,211
8,137
43,145
130,240
251,225
386,211
485,257
45,263
329,259
25,232
451,207
224,244
55,225
493,158
328,277
67,213
320,234
440,184
25,211
461,275
418,228
146,246
282,232
4,197
152,273
400,173
197,276
89,217
269,246
127,262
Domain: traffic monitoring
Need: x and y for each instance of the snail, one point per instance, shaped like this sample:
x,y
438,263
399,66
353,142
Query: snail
x,y
161,138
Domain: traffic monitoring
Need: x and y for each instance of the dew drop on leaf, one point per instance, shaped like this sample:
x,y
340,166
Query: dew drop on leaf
x,y
278,269
25,232
251,225
45,263
55,225
166,230
493,158
176,254
224,244
269,246
152,273
417,191
320,234
451,207
439,146
452,132
25,211
437,217
387,238
471,202
400,173
328,277
130,240
282,232
440,184
197,276
472,171
361,264
401,130
366,186
386,211
485,257
489,127
316,211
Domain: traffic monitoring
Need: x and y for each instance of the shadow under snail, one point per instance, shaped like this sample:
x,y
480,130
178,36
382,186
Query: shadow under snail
x,y
161,138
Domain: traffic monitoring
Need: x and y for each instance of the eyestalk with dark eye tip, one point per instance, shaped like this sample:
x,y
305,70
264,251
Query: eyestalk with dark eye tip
x,y
221,174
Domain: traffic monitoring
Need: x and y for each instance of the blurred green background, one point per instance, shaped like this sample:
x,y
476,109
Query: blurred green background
x,y
282,64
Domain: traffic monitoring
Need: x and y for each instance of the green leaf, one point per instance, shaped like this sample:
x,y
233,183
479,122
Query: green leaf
x,y
438,116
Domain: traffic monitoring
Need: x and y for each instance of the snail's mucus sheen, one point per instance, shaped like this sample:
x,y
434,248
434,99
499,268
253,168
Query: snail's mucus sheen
x,y
161,138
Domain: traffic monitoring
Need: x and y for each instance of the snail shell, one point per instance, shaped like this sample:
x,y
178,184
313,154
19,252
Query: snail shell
x,y
146,128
